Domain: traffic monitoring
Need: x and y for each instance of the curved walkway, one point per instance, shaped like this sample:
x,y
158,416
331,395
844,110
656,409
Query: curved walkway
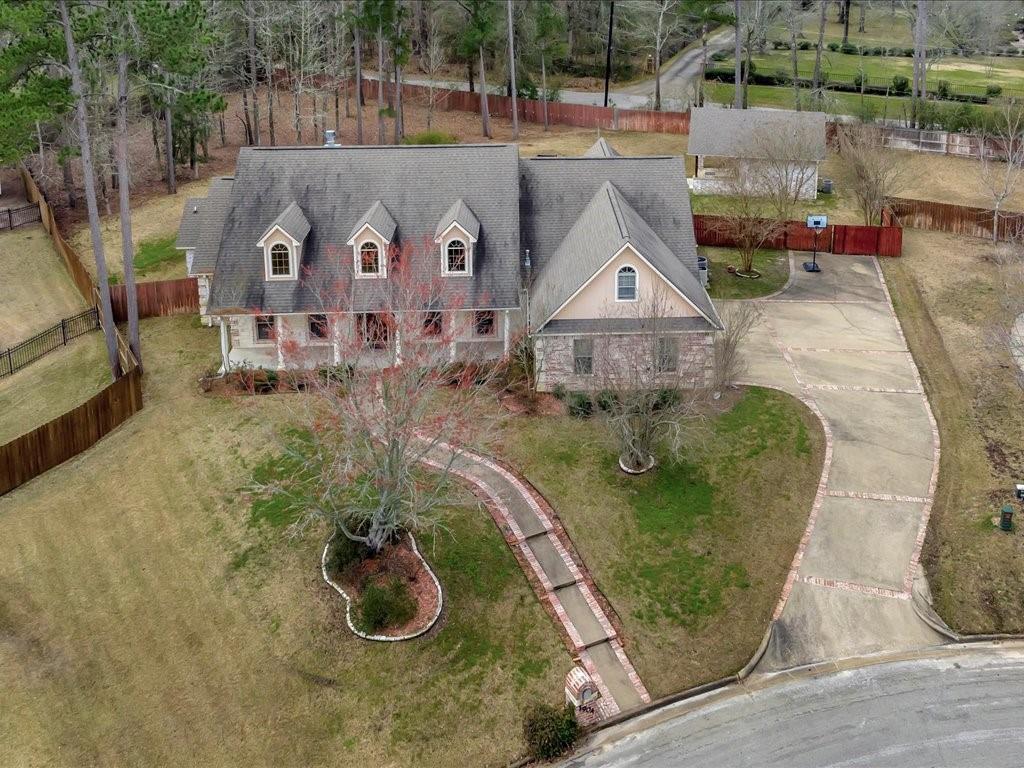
x,y
561,580
832,339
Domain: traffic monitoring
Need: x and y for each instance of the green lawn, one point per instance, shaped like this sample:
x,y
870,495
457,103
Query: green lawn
x,y
773,266
781,97
155,253
692,556
148,620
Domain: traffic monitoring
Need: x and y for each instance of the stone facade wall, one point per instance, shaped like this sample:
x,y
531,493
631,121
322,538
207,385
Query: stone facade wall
x,y
556,363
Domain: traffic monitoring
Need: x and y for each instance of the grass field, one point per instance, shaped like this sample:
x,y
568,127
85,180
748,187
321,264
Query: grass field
x,y
773,266
693,555
52,385
146,619
36,291
946,296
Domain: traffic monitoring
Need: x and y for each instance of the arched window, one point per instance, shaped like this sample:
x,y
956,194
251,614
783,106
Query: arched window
x,y
456,254
369,259
280,260
625,284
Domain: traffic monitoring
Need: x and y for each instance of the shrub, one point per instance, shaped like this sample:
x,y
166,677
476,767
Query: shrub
x,y
580,405
719,56
559,392
993,90
942,90
387,604
550,731
780,45
894,51
900,84
833,46
849,48
431,137
605,400
803,45
858,79
908,52
877,50
344,553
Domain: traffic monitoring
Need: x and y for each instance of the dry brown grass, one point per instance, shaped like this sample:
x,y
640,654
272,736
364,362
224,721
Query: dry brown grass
x,y
144,619
945,291
36,290
52,385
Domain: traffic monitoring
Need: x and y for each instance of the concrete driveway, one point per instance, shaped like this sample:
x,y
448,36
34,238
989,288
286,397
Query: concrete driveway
x,y
833,340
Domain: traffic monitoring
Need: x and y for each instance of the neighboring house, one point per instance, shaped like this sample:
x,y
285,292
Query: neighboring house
x,y
565,248
767,146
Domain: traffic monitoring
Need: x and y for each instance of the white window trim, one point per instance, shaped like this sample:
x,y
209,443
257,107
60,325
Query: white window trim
x,y
636,285
256,340
446,238
316,341
293,255
367,234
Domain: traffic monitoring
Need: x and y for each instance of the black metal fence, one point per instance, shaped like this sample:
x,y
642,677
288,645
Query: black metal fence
x,y
15,217
17,357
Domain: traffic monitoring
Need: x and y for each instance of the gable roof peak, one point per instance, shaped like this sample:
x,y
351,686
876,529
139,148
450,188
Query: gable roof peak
x,y
461,214
379,218
292,221
601,148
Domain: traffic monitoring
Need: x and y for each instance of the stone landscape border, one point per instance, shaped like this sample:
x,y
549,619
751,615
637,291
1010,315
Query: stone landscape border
x,y
349,601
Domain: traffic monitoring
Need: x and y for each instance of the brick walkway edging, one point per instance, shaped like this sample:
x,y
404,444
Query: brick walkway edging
x,y
535,573
348,600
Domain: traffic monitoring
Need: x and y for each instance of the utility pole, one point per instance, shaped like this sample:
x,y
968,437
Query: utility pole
x,y
608,54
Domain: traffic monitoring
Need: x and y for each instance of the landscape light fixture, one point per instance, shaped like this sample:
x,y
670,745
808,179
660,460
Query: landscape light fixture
x,y
817,222
1019,493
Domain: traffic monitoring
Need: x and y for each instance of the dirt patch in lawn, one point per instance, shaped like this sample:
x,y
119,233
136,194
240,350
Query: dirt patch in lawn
x,y
693,555
36,290
945,290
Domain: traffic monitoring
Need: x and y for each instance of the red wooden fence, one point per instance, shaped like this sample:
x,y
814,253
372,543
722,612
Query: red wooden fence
x,y
157,298
838,238
957,219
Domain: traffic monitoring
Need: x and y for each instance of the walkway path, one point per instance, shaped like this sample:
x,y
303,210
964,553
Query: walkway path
x,y
561,580
833,340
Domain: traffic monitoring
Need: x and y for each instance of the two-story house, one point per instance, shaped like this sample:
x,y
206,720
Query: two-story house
x,y
301,247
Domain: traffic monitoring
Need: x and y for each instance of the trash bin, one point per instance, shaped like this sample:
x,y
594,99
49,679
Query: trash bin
x,y
825,186
702,270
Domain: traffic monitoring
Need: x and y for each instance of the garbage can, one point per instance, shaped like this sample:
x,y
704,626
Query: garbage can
x,y
825,186
702,270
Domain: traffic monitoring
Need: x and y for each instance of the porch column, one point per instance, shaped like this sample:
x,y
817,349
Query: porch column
x,y
336,338
278,334
398,347
225,344
507,324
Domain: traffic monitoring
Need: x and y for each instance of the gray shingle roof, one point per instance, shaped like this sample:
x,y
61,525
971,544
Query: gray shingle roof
x,y
188,228
607,224
292,221
378,217
459,214
720,132
213,213
602,325
336,187
601,148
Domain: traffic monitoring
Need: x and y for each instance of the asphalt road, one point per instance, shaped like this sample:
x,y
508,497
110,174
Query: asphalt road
x,y
960,709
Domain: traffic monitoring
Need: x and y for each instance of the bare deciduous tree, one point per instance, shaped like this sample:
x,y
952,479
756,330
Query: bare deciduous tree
x,y
739,317
877,172
1002,156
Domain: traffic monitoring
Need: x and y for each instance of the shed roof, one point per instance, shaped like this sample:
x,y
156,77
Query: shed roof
x,y
720,132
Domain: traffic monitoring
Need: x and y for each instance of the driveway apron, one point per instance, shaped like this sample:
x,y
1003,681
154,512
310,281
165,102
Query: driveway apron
x,y
832,339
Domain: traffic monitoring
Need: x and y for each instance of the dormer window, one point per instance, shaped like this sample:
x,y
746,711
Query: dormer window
x,y
625,284
456,255
280,260
369,258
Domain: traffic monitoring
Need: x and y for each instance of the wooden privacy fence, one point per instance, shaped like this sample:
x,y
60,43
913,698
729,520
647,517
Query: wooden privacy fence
x,y
848,239
532,111
956,219
70,433
157,298
28,351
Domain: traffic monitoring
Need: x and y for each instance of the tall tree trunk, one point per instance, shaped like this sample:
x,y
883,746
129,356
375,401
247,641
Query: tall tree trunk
x,y
737,97
816,85
920,40
172,182
469,71
106,311
124,206
156,136
69,181
246,119
512,72
399,108
223,129
271,87
485,115
380,86
794,62
544,92
421,26
703,63
337,108
252,73
863,13
113,166
746,71
357,49
846,21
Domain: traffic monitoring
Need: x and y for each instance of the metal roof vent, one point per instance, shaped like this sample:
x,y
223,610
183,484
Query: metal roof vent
x,y
329,139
